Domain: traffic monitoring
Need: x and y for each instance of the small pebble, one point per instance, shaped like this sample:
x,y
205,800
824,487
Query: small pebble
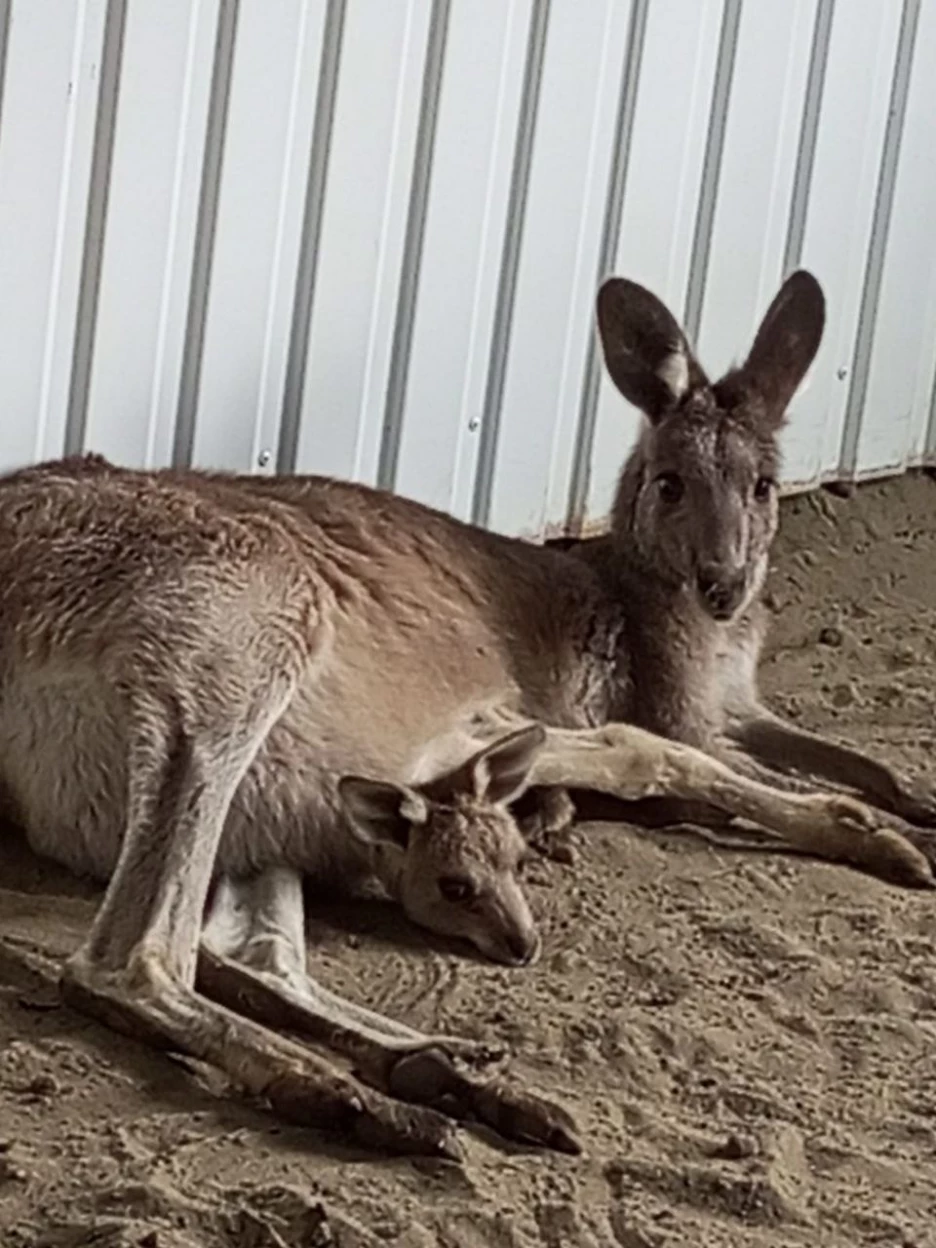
x,y
43,1085
10,1172
889,694
831,635
735,1148
844,694
903,656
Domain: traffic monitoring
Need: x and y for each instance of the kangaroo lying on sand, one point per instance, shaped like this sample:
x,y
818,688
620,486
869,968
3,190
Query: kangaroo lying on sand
x,y
186,658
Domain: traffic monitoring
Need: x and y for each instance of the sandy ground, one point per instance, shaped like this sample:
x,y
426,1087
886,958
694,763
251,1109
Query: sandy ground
x,y
747,1042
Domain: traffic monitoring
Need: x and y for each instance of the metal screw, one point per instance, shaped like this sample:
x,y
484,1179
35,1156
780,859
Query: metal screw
x,y
264,458
841,373
474,424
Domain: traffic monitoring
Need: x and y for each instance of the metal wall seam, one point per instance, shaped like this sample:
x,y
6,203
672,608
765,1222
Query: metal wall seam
x,y
215,128
708,194
311,233
95,225
929,446
802,182
890,154
412,247
510,259
5,10
611,228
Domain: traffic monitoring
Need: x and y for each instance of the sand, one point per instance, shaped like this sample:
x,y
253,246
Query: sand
x,y
747,1042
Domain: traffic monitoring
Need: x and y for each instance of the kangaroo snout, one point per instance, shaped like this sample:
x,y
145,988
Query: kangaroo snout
x,y
524,947
721,589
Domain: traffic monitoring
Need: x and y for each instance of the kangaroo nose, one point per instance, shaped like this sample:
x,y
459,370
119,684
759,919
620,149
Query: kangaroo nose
x,y
721,589
523,947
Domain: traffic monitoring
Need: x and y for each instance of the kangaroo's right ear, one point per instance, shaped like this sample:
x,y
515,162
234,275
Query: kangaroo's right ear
x,y
499,773
380,812
645,351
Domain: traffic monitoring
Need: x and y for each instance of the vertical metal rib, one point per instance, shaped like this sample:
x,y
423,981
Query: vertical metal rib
x,y
611,229
412,246
929,445
95,223
805,157
5,6
311,234
890,154
711,168
215,128
510,261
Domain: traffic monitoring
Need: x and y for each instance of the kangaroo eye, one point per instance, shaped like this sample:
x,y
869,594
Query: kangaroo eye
x,y
670,486
457,888
763,488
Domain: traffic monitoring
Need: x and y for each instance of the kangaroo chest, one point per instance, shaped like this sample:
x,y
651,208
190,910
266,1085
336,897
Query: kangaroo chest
x,y
683,677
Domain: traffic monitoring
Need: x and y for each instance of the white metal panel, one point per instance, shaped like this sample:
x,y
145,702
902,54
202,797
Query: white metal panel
x,y
840,212
347,235
555,289
465,221
664,176
148,247
258,232
897,399
360,253
46,139
756,178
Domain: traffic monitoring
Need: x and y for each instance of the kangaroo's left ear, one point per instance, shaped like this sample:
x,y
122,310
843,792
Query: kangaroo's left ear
x,y
646,353
380,812
783,350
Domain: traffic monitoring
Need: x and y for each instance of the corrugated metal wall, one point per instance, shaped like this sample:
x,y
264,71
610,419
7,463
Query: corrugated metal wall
x,y
363,237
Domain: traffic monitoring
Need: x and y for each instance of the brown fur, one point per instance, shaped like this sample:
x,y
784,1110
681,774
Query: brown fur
x,y
190,662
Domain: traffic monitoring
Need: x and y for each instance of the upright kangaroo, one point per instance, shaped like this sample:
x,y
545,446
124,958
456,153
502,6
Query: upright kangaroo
x,y
692,525
189,661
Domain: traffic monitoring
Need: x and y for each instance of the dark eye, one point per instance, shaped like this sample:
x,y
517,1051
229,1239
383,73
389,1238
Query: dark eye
x,y
671,487
457,888
763,488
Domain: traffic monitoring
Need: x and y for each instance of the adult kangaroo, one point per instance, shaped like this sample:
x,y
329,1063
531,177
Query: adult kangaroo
x,y
658,623
189,662
691,530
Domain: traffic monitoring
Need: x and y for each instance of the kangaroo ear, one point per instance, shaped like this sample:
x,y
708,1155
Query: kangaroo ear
x,y
784,348
645,351
499,772
379,812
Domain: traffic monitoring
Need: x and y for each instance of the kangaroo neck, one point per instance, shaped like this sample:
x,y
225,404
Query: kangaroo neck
x,y
667,669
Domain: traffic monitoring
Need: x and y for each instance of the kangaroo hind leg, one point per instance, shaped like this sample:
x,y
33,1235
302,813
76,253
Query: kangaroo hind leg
x,y
189,749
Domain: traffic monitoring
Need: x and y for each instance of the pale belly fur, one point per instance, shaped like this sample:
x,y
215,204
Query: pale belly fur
x,y
63,769
64,738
